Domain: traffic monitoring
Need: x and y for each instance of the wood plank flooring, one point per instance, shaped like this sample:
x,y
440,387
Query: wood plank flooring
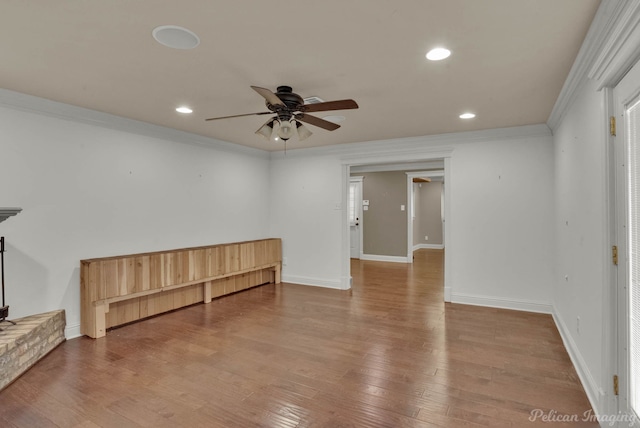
x,y
388,353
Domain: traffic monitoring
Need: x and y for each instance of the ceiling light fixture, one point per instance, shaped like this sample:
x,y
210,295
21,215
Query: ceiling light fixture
x,y
175,37
286,130
303,131
267,129
184,110
467,116
438,54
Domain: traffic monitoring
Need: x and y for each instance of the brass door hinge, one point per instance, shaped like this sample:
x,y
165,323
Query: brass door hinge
x,y
615,384
612,126
614,254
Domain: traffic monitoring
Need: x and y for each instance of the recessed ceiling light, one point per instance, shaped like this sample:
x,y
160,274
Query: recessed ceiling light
x,y
175,37
467,116
184,109
335,118
438,53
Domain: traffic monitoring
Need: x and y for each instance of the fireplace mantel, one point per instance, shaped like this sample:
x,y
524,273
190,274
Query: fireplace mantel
x,y
5,213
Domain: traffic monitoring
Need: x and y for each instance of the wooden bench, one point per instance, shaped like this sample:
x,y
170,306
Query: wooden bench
x,y
118,290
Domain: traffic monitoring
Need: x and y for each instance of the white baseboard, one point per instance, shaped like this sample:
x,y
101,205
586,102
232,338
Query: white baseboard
x,y
72,331
377,258
347,282
595,394
316,282
502,303
428,247
447,294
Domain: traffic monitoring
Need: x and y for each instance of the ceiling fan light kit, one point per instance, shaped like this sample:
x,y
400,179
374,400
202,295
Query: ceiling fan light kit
x,y
303,131
290,109
285,132
266,130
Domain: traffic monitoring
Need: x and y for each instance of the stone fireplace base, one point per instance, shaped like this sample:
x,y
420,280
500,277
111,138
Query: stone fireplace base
x,y
24,344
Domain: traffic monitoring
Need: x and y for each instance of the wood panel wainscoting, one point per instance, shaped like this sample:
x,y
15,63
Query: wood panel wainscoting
x,y
121,289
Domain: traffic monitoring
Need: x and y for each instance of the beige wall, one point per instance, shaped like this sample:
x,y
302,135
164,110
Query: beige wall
x,y
428,213
385,225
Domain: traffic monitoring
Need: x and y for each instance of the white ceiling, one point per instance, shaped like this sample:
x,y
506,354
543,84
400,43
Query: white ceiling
x,y
508,64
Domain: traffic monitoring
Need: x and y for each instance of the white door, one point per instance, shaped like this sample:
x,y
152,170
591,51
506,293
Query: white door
x,y
355,216
627,105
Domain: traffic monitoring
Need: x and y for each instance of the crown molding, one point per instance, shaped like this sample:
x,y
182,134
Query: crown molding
x,y
610,47
435,146
36,105
622,46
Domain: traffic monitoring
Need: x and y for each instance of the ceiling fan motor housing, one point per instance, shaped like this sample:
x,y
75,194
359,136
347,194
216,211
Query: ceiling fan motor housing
x,y
292,101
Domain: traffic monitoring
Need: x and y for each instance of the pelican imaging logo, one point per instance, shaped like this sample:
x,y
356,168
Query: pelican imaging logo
x,y
553,416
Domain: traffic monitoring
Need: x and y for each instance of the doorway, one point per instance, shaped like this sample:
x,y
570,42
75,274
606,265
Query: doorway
x,y
420,160
417,178
355,216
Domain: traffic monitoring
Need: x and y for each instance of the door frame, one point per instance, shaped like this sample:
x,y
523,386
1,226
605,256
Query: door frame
x,y
616,55
422,154
410,176
618,98
360,227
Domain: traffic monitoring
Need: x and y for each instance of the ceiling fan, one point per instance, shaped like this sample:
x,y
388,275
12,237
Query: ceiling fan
x,y
290,110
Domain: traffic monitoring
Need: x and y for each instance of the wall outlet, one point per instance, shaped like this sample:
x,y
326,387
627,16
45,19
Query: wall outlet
x,y
426,238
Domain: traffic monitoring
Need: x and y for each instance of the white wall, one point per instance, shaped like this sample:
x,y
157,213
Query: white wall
x,y
502,219
90,191
501,228
581,231
305,192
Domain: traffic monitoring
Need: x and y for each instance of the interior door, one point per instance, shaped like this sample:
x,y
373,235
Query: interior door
x,y
627,108
355,216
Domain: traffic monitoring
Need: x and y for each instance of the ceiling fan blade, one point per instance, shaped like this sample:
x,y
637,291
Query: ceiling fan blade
x,y
316,121
268,95
240,115
331,105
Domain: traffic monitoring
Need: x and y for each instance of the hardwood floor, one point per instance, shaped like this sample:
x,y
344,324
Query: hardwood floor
x,y
388,353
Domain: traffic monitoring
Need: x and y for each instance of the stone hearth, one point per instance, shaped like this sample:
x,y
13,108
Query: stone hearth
x,y
24,344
